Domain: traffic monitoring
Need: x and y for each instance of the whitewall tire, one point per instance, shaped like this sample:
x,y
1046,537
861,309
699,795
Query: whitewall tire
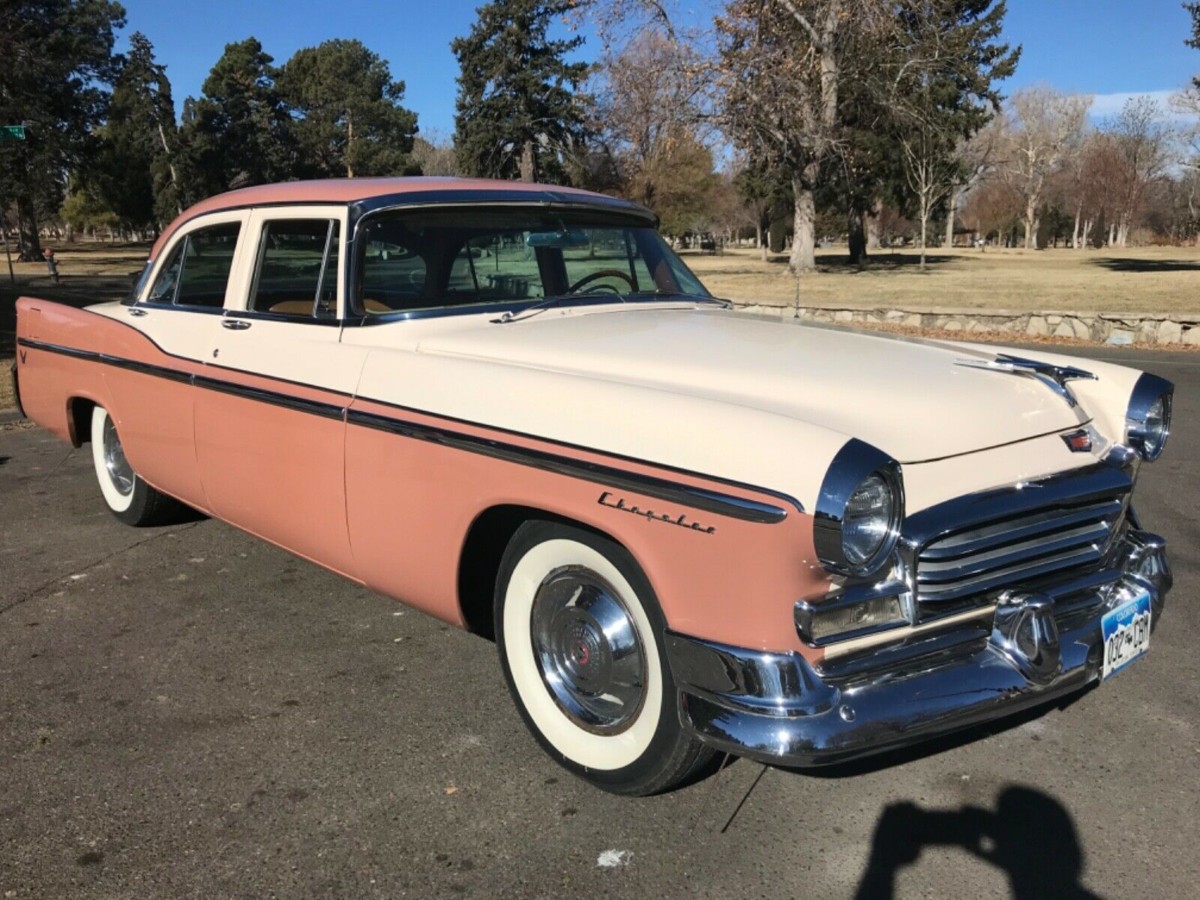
x,y
128,497
580,636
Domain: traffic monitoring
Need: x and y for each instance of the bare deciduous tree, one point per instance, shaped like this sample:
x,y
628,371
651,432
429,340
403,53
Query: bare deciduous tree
x,y
1045,126
780,68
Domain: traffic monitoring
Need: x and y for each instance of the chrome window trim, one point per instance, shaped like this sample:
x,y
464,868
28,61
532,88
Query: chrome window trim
x,y
517,307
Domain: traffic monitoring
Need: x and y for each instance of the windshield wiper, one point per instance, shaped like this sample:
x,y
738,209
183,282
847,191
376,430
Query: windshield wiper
x,y
543,304
549,302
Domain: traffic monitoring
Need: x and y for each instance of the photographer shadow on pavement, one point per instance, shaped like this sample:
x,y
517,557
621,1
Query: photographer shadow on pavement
x,y
1030,836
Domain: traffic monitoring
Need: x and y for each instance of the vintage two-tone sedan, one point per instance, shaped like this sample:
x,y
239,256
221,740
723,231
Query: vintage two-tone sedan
x,y
690,531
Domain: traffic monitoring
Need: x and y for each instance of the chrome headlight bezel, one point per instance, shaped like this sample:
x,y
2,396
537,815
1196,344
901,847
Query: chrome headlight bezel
x,y
854,466
1148,417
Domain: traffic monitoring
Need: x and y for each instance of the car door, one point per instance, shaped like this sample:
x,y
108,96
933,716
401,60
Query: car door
x,y
151,391
270,411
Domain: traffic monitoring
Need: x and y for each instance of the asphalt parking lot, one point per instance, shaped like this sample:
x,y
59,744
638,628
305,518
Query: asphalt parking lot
x,y
189,712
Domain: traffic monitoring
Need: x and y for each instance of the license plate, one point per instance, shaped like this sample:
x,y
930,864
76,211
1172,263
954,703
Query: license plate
x,y
1126,633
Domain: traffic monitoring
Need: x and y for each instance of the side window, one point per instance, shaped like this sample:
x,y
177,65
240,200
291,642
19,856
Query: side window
x,y
296,272
393,273
197,272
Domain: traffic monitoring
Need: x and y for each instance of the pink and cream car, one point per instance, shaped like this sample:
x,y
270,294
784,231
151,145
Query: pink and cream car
x,y
690,531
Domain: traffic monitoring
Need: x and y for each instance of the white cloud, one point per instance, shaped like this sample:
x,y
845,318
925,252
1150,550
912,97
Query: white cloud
x,y
1106,105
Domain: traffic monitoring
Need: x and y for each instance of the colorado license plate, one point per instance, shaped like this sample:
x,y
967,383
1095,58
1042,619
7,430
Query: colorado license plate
x,y
1126,633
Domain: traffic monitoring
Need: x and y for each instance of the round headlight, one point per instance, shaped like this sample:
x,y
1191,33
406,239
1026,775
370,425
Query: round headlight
x,y
857,520
1148,419
867,524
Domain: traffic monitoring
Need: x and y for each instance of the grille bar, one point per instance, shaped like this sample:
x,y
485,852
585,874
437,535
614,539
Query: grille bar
x,y
1017,538
1011,530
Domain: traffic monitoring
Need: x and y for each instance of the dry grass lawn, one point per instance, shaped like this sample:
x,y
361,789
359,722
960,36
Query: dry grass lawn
x,y
1142,279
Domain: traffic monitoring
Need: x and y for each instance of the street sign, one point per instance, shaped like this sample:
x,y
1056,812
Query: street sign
x,y
12,132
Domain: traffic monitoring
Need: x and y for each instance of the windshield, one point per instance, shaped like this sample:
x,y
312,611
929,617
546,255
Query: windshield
x,y
509,256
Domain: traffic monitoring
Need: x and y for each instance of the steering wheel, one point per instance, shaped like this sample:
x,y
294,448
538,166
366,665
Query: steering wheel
x,y
602,273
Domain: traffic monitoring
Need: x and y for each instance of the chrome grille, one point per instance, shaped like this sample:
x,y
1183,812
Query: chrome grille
x,y
1011,540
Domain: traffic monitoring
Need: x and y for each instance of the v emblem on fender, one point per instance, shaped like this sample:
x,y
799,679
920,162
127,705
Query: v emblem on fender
x,y
22,357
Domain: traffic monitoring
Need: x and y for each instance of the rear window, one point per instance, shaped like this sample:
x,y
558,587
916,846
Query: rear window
x,y
197,271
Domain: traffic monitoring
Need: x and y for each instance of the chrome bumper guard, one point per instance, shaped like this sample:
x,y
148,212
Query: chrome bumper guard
x,y
776,708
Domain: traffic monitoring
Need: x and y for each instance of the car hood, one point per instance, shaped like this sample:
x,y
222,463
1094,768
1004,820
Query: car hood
x,y
916,400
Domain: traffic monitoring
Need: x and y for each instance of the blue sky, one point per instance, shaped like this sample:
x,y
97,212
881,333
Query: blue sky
x,y
1108,48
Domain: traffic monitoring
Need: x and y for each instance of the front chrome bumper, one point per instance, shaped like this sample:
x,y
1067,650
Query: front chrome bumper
x,y
776,708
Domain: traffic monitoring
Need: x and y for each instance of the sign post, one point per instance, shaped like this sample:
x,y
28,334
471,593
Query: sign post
x,y
9,133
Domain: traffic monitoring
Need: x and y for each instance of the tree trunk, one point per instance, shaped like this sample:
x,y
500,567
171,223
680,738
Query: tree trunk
x,y
30,245
349,146
804,244
1075,233
951,209
857,238
162,136
528,168
1112,233
1030,226
924,233
874,215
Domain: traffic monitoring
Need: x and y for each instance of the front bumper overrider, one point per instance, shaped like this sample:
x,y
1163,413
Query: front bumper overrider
x,y
777,708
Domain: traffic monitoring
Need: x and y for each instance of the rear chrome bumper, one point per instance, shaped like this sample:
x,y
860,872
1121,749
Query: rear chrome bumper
x,y
777,708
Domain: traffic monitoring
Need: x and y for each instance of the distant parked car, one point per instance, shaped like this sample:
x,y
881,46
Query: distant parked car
x,y
689,530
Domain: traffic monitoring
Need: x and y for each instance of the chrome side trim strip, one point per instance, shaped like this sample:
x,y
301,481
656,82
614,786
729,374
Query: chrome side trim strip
x,y
107,360
274,398
661,489
717,502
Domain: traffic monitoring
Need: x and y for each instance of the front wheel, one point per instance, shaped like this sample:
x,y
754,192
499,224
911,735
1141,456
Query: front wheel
x,y
128,497
580,636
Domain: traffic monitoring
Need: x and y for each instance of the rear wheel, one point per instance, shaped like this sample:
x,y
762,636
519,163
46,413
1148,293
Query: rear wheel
x,y
580,636
128,497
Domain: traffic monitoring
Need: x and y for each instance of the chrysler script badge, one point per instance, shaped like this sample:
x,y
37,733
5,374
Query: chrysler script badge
x,y
681,520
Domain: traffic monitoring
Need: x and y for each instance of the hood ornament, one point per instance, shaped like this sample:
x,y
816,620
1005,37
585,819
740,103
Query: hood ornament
x,y
1054,377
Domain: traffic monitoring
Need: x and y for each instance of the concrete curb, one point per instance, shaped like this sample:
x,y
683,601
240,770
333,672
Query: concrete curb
x,y
8,416
1100,327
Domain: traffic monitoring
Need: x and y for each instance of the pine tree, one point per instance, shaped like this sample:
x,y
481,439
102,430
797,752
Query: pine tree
x,y
519,112
55,60
134,175
350,121
239,132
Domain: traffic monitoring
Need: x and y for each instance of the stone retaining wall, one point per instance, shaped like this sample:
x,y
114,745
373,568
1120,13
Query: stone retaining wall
x,y
1112,328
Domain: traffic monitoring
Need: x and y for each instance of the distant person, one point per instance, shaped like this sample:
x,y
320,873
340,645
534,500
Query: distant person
x,y
51,265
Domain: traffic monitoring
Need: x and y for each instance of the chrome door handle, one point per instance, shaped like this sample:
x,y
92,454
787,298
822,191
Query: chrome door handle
x,y
134,311
235,324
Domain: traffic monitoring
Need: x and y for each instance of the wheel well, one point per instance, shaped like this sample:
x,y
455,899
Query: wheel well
x,y
482,551
79,420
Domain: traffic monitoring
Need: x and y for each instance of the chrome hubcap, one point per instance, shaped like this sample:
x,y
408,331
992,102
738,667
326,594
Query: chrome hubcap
x,y
588,650
118,468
